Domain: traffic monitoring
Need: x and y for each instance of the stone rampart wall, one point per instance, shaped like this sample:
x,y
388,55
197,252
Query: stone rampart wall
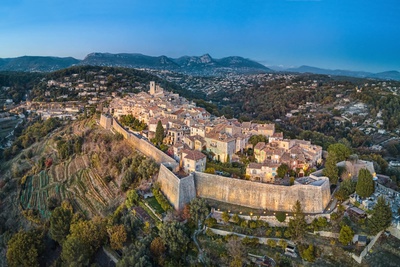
x,y
143,146
170,185
314,199
187,190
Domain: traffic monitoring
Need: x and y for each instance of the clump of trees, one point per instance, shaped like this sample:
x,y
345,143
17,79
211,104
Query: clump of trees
x,y
132,122
67,148
30,135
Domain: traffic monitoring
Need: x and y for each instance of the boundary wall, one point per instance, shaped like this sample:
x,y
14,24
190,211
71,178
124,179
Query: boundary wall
x,y
180,191
257,195
143,146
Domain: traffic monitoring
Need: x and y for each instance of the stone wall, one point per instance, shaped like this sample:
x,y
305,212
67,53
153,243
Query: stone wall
x,y
170,186
178,191
142,145
314,199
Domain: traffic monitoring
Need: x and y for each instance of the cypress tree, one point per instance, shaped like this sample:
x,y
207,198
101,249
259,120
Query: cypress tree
x,y
365,184
159,133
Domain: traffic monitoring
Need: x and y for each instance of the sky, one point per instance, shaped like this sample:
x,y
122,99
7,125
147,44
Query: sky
x,y
334,34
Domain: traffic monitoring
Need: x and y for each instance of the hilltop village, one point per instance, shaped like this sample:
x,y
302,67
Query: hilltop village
x,y
189,130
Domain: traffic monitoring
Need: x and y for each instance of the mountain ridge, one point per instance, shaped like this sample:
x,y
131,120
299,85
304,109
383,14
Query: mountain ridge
x,y
386,75
193,65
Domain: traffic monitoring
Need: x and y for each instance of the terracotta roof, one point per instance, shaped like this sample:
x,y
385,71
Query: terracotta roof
x,y
193,154
259,145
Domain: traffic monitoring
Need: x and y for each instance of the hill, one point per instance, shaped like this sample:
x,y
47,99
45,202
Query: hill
x,y
36,63
387,75
79,162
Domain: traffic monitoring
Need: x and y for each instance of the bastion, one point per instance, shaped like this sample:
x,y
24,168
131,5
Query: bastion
x,y
313,194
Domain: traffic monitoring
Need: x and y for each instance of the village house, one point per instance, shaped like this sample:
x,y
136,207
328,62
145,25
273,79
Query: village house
x,y
193,160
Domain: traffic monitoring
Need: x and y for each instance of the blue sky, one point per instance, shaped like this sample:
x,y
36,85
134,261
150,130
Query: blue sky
x,y
345,34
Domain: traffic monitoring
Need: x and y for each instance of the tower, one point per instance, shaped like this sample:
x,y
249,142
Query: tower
x,y
152,88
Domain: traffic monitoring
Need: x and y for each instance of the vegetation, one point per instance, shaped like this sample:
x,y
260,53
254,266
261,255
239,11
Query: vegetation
x,y
255,139
346,234
175,238
159,137
161,199
365,183
30,135
60,221
132,122
280,216
198,210
24,249
282,170
297,225
381,216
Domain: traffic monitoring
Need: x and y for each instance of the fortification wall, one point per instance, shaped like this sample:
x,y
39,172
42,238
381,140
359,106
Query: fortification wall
x,y
314,199
170,185
143,146
187,190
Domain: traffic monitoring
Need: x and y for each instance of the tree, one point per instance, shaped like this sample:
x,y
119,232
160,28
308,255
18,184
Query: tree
x,y
157,247
365,183
24,248
331,170
347,187
198,210
175,238
159,137
225,217
381,216
132,198
282,170
308,254
117,236
93,233
346,234
136,255
254,139
297,225
60,221
75,252
211,222
236,250
341,151
280,216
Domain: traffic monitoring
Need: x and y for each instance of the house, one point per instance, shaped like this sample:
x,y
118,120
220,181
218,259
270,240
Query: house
x,y
262,172
193,160
221,145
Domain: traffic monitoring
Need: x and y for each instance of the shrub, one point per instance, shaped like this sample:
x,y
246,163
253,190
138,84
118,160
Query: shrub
x,y
280,216
271,243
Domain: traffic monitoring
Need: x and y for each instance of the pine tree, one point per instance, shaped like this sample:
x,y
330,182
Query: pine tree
x,y
346,235
365,184
381,216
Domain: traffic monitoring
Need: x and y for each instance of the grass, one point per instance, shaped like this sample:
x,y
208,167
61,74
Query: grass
x,y
155,219
154,204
